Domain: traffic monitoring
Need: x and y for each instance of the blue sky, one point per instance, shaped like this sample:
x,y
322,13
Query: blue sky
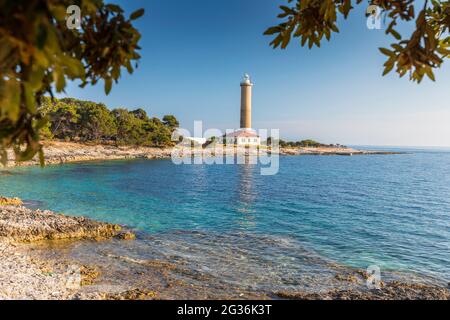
x,y
195,52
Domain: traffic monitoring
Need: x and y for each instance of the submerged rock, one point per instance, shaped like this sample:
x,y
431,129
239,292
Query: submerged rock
x,y
126,235
394,290
133,294
88,275
4,201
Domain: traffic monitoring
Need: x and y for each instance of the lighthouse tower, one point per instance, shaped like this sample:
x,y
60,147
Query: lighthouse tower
x,y
246,102
245,136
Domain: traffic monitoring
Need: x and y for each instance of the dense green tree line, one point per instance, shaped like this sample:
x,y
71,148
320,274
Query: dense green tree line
x,y
302,143
75,120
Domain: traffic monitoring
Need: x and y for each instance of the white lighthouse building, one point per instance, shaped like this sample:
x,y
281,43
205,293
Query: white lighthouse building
x,y
245,135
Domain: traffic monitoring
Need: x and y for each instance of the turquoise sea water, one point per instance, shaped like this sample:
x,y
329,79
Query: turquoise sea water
x,y
227,220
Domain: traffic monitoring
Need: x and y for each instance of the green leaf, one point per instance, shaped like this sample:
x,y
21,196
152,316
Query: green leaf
x,y
5,49
430,74
114,8
387,52
285,42
58,11
129,67
443,51
41,157
10,98
388,69
59,78
277,41
3,157
108,85
327,34
42,36
397,47
36,77
303,42
272,30
138,13
395,34
74,67
29,98
335,28
41,58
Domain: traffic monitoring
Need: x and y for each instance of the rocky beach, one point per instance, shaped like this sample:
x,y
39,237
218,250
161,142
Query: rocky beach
x,y
34,268
24,276
57,152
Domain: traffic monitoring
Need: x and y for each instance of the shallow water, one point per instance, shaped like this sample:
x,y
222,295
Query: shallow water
x,y
294,230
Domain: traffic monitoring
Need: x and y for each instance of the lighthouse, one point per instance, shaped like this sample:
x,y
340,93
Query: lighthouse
x,y
245,136
246,102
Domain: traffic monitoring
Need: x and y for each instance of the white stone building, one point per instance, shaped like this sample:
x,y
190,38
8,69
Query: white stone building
x,y
243,137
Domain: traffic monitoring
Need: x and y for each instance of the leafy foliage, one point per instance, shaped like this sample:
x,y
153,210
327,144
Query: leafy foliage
x,y
76,120
39,53
171,121
418,55
302,143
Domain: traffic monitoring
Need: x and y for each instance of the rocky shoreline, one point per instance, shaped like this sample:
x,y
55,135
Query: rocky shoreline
x,y
57,152
26,274
66,152
391,291
332,151
20,224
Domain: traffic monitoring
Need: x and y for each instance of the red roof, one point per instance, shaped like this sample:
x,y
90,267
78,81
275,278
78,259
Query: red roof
x,y
243,133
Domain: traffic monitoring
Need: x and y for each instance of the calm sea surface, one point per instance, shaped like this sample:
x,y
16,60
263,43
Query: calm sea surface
x,y
284,231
